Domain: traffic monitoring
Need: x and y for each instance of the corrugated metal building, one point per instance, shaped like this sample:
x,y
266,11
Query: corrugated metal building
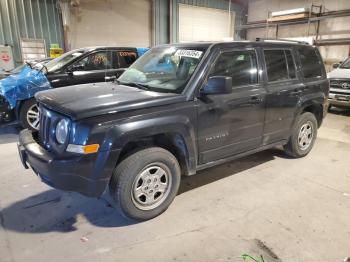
x,y
41,19
34,19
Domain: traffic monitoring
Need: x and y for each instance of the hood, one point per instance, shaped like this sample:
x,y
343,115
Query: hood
x,y
339,73
88,100
23,85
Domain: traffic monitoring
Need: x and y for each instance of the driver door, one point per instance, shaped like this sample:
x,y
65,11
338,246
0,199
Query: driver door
x,y
230,124
91,69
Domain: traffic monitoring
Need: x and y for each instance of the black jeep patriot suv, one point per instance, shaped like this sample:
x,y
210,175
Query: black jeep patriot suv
x,y
178,109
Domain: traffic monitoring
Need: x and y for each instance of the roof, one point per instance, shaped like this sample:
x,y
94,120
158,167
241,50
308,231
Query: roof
x,y
238,43
90,48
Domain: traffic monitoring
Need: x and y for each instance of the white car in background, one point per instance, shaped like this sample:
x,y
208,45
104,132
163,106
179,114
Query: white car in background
x,y
339,94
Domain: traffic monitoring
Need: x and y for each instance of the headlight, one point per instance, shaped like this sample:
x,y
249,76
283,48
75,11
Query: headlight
x,y
62,131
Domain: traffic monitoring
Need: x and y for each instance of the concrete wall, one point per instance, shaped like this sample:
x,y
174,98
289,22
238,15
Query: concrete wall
x,y
165,32
329,28
110,22
100,21
29,19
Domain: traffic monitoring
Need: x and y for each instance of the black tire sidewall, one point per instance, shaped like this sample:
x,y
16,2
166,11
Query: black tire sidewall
x,y
302,119
128,169
23,113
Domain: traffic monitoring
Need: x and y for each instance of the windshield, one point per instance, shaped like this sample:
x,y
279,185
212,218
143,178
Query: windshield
x,y
346,64
59,62
163,69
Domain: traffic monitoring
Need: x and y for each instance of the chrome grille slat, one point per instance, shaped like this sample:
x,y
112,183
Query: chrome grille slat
x,y
44,126
338,83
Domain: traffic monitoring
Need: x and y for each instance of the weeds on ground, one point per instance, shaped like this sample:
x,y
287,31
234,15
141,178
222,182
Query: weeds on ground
x,y
247,257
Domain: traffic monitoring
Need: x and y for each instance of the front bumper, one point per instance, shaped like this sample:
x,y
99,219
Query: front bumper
x,y
339,99
85,174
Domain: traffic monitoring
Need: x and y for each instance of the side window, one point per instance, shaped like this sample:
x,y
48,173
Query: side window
x,y
290,63
310,62
126,58
279,65
96,61
276,65
240,65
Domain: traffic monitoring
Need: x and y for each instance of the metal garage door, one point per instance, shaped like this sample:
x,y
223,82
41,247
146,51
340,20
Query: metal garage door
x,y
113,22
204,24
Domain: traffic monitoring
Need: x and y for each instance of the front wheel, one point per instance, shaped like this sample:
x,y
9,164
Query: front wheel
x,y
29,115
303,136
145,183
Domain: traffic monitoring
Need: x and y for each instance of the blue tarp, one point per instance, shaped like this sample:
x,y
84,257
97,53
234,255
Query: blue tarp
x,y
141,50
23,85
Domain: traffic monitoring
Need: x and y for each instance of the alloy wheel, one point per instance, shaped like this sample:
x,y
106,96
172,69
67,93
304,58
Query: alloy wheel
x,y
305,135
33,117
151,186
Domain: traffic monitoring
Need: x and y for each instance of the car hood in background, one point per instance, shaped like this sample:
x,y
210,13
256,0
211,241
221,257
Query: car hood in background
x,y
23,85
339,73
88,100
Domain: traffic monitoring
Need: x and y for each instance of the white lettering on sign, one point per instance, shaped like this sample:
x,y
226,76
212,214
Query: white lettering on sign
x,y
189,53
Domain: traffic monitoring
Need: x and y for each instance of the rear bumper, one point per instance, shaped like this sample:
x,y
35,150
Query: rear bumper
x,y
85,174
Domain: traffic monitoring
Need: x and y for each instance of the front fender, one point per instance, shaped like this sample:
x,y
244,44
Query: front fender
x,y
131,130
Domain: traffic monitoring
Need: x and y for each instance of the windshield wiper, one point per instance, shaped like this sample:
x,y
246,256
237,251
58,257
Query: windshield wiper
x,y
29,64
42,67
134,84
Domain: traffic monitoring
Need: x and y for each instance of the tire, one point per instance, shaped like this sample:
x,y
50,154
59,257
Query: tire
x,y
137,178
299,145
29,115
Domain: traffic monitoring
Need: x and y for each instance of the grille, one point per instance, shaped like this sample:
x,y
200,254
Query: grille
x,y
44,131
340,83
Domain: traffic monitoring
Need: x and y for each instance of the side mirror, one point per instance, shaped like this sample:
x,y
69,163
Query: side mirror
x,y
336,65
217,85
76,67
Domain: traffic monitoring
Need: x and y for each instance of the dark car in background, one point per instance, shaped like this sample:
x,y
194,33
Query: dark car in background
x,y
178,109
80,66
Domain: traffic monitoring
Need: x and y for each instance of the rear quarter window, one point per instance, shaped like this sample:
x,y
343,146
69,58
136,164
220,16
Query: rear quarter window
x,y
279,64
311,63
126,58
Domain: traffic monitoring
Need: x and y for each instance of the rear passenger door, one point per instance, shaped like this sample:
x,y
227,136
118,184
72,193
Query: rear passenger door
x,y
284,89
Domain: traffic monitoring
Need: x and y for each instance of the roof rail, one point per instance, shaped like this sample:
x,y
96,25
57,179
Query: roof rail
x,y
258,39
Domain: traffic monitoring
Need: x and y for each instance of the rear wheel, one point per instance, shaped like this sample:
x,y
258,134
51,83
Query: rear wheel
x,y
303,136
29,115
145,183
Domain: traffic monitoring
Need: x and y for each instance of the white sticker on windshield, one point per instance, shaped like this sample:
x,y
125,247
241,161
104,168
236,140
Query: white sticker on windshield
x,y
189,53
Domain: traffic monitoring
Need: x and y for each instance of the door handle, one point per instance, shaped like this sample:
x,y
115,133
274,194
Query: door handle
x,y
296,92
109,78
255,100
